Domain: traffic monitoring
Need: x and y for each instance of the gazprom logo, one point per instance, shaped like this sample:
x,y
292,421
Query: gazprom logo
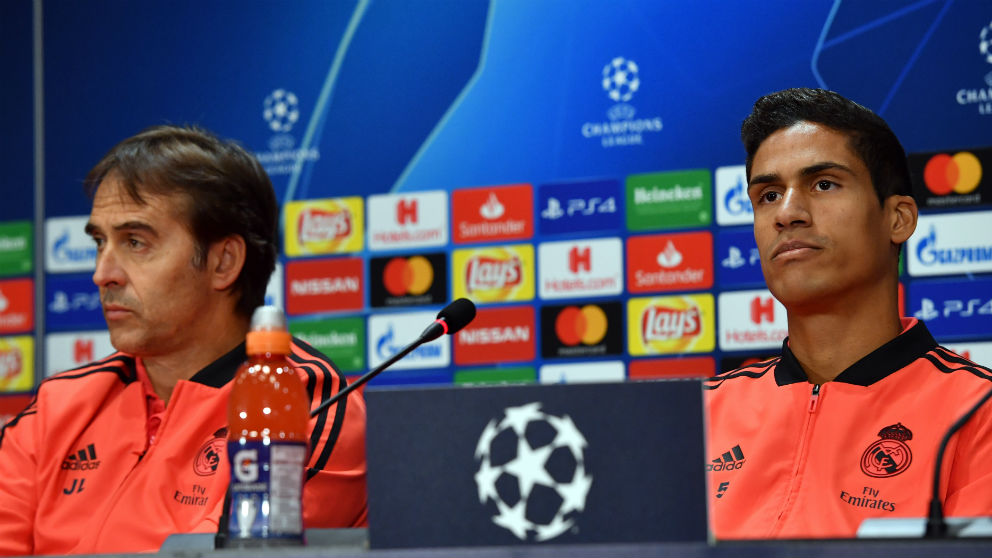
x,y
67,246
390,333
733,205
951,245
930,254
736,200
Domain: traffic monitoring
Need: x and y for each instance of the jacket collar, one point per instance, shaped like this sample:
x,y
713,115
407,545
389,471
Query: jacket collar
x,y
914,341
222,370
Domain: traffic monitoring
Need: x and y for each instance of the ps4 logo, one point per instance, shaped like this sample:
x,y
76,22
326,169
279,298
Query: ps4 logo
x,y
735,259
960,308
578,206
62,302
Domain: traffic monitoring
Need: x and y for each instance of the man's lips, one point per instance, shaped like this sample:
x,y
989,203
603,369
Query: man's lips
x,y
791,247
113,311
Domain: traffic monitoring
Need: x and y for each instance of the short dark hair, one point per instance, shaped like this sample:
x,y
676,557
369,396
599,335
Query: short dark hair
x,y
226,189
870,137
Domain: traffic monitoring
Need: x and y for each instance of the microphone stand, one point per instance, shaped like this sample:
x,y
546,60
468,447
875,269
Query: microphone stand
x,y
936,526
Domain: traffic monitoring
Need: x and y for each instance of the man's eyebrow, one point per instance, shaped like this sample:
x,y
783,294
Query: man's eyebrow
x,y
825,165
805,171
92,229
763,179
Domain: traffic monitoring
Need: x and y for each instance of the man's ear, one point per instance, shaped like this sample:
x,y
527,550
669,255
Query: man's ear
x,y
903,214
225,261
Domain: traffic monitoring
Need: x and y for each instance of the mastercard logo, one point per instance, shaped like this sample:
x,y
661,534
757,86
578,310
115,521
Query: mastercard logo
x,y
408,276
960,173
586,325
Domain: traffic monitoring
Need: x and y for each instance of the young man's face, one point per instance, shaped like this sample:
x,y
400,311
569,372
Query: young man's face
x,y
150,289
821,231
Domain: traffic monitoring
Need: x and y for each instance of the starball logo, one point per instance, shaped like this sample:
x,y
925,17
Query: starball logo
x,y
281,112
980,97
620,80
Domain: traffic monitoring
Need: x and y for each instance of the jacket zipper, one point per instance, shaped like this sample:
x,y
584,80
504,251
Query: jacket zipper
x,y
811,408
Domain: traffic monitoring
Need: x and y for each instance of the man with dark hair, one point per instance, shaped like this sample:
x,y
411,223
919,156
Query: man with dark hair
x,y
845,424
116,455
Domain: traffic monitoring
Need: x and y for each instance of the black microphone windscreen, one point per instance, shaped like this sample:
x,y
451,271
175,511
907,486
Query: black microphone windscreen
x,y
457,315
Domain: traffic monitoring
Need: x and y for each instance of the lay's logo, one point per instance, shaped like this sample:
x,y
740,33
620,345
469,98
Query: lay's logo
x,y
494,274
317,225
671,324
11,363
661,323
16,363
330,226
486,273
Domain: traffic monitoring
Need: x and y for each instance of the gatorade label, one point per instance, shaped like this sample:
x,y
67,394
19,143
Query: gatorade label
x,y
266,489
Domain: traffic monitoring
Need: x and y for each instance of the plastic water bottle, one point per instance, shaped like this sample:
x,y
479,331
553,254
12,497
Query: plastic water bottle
x,y
267,439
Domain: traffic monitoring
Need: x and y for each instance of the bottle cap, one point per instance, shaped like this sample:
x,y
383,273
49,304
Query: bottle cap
x,y
268,332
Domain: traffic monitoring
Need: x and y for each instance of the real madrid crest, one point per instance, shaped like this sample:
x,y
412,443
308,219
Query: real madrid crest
x,y
889,455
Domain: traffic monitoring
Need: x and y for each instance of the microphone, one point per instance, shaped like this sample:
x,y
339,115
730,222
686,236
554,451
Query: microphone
x,y
450,320
936,526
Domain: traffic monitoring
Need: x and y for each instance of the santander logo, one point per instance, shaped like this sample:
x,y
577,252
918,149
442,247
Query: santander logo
x,y
491,273
318,225
669,257
492,209
660,323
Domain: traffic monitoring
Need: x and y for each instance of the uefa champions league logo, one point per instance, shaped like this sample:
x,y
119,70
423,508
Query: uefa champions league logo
x,y
620,79
532,472
985,42
281,110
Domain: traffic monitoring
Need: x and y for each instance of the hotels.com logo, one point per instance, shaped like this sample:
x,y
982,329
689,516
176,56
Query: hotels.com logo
x,y
580,259
661,323
486,273
406,211
319,225
763,309
959,174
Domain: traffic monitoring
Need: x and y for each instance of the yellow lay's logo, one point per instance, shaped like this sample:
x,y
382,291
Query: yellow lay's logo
x,y
16,363
670,324
330,226
494,274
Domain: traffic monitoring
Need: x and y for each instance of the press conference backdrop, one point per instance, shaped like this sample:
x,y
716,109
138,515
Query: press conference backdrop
x,y
572,166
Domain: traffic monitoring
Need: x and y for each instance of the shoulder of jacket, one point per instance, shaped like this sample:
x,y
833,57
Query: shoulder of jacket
x,y
752,371
117,366
947,361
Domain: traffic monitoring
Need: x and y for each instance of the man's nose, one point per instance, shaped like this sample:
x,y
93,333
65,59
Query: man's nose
x,y
792,211
108,271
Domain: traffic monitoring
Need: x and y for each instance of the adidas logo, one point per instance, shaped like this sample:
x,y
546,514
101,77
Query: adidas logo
x,y
731,460
83,460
